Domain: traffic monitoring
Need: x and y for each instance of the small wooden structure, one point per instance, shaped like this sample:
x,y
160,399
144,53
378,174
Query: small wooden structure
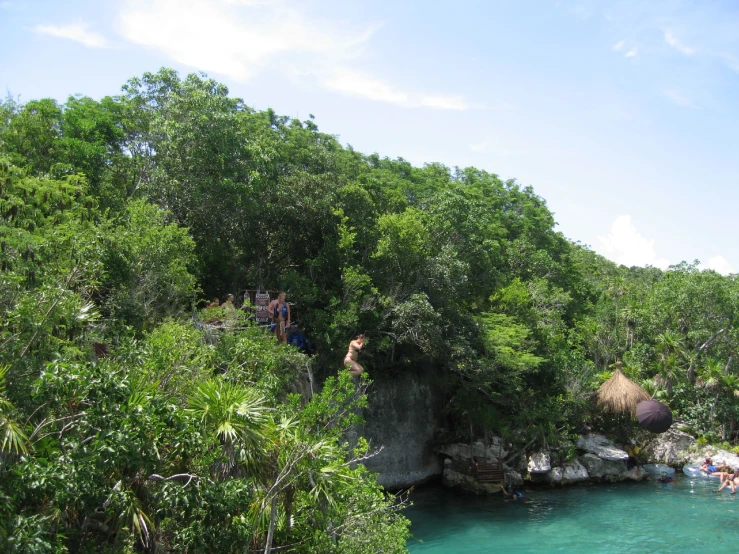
x,y
489,473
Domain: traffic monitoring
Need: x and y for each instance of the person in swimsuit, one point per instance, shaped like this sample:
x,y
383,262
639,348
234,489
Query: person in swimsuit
x,y
711,469
513,493
353,354
665,478
731,479
279,311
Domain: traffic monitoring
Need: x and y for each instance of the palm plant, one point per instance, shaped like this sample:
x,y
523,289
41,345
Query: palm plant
x,y
238,415
13,439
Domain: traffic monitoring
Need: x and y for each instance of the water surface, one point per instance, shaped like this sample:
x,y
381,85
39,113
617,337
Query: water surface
x,y
683,517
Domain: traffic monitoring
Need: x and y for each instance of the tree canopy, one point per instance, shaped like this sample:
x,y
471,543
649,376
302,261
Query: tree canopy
x,y
118,216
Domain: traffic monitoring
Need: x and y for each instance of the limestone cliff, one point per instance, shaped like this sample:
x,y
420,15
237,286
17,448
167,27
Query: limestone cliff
x,y
403,415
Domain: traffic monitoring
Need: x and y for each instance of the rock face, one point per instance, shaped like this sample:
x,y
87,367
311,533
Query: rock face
x,y
539,462
594,465
403,414
719,456
479,451
513,477
601,447
574,472
673,448
569,474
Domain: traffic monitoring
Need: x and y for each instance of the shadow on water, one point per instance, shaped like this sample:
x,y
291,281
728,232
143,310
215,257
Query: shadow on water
x,y
686,516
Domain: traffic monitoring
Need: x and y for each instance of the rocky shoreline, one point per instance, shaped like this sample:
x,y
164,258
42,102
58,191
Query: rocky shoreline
x,y
593,458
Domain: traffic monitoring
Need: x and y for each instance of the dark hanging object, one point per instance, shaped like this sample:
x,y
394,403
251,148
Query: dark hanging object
x,y
654,416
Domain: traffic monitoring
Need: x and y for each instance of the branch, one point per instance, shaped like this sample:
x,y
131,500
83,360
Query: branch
x,y
46,422
708,343
188,476
366,457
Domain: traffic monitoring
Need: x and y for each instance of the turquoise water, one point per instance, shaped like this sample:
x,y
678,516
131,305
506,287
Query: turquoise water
x,y
683,517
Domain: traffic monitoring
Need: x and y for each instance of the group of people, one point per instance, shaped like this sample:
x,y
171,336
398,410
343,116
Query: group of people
x,y
729,477
280,320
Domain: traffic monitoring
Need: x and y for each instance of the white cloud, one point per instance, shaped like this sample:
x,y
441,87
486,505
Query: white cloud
x,y
677,45
632,53
678,98
625,245
718,264
77,32
240,38
492,146
618,46
732,62
444,102
357,84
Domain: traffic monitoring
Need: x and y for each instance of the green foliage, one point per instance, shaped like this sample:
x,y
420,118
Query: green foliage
x,y
126,426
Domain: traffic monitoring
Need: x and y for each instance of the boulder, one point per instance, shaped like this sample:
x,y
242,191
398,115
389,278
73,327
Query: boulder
x,y
636,473
512,477
593,465
608,470
539,462
673,448
574,472
719,456
601,447
555,476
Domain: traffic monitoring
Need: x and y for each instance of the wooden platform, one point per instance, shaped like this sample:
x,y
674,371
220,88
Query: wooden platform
x,y
489,473
483,472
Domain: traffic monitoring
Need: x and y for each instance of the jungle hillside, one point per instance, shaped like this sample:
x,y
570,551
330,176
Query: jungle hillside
x,y
128,426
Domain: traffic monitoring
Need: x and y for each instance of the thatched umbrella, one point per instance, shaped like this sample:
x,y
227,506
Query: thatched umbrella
x,y
620,394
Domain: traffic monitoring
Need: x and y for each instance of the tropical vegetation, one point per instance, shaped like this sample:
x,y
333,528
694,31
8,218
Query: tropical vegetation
x,y
126,424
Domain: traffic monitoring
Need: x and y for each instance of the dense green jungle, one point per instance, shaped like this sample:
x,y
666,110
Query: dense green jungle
x,y
127,426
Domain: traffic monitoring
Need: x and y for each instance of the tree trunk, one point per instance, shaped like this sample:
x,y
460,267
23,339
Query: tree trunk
x,y
271,531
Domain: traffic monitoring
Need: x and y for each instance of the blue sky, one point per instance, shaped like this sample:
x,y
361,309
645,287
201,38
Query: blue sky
x,y
624,116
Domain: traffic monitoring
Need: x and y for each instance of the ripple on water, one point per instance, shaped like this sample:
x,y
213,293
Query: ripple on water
x,y
683,517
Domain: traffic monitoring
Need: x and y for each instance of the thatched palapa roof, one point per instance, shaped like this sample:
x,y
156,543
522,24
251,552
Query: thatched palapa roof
x,y
620,394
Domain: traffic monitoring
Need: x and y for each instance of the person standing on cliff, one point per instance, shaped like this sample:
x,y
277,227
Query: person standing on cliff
x,y
352,356
279,311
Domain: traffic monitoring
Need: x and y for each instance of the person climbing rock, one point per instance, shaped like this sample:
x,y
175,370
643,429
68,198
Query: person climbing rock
x,y
353,355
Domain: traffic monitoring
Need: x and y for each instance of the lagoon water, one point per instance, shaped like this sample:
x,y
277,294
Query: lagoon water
x,y
683,517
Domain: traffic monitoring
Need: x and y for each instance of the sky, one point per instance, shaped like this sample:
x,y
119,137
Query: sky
x,y
623,115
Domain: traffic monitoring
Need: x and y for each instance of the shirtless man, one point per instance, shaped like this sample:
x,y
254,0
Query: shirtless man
x,y
353,354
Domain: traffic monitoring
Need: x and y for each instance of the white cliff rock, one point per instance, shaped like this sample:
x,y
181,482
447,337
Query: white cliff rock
x,y
512,477
673,448
601,447
555,476
574,472
539,462
594,465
